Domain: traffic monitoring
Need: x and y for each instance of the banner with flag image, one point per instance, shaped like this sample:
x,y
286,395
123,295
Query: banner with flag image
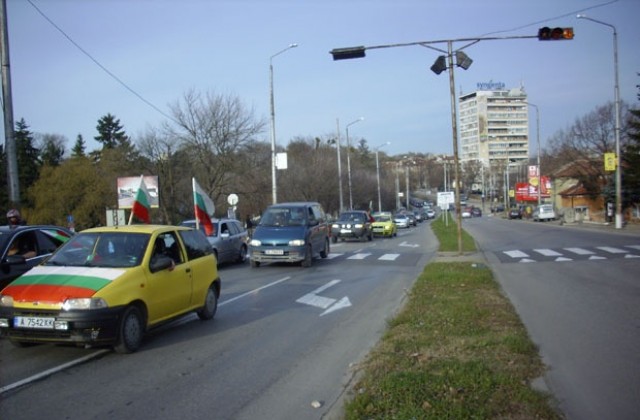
x,y
203,207
141,204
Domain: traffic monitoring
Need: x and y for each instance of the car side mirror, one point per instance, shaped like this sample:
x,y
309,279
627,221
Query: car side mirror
x,y
160,263
313,222
14,260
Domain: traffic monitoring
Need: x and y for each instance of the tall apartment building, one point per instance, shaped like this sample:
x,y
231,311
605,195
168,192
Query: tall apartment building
x,y
494,125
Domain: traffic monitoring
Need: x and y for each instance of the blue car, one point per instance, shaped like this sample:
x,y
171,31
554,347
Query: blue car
x,y
290,232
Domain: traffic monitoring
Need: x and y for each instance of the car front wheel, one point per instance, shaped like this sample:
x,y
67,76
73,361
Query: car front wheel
x,y
325,252
308,257
131,331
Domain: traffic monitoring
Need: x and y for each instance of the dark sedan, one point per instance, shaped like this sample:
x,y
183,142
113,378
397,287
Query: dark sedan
x,y
515,214
23,247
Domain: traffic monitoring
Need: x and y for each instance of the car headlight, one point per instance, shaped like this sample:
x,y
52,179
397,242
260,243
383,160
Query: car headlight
x,y
296,242
359,226
6,301
335,226
255,242
84,303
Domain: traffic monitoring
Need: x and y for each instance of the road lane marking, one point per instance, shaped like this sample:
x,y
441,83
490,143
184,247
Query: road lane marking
x,y
612,250
516,254
53,370
360,256
251,292
548,252
389,257
580,251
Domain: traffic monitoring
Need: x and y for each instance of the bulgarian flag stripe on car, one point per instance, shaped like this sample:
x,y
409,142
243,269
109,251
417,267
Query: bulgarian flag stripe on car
x,y
55,284
60,235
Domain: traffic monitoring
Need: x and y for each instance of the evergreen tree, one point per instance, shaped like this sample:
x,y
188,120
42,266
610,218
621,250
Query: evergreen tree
x,y
52,150
111,133
79,148
28,158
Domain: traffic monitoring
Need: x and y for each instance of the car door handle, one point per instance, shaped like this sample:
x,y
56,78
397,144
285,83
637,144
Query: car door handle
x,y
188,270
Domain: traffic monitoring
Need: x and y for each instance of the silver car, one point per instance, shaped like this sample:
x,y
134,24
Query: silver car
x,y
401,221
229,239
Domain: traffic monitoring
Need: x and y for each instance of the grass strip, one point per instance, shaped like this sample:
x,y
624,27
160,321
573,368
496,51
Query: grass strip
x,y
457,350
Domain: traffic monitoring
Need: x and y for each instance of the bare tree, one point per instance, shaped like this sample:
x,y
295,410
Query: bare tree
x,y
212,129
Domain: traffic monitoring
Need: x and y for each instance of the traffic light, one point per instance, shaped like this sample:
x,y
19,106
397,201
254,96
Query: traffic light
x,y
554,34
347,53
440,65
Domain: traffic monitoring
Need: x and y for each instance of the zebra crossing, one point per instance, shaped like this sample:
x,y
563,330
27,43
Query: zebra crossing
x,y
569,254
375,257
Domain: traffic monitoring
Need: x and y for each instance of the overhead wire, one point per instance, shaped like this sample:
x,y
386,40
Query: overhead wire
x,y
100,65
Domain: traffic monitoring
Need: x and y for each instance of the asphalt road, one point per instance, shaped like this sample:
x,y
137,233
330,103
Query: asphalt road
x,y
284,344
577,290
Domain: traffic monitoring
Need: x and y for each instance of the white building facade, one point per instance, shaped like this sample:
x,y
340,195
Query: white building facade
x,y
494,126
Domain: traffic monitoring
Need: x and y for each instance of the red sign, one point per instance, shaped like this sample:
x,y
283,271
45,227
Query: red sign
x,y
527,192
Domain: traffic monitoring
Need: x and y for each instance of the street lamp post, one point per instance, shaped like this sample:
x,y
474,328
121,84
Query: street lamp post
x,y
274,188
538,159
349,161
339,165
617,110
378,175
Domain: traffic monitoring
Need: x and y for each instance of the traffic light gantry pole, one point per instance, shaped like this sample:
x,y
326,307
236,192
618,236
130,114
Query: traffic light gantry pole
x,y
446,62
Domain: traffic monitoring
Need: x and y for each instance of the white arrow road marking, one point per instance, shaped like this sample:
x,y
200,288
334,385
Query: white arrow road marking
x,y
342,303
324,302
404,243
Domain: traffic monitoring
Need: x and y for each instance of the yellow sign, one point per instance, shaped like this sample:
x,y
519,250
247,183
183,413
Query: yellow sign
x,y
610,162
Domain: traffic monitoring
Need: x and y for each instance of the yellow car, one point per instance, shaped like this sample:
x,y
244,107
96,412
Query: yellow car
x,y
107,286
384,225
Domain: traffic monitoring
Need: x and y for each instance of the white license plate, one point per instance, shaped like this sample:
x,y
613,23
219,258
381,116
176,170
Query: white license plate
x,y
274,252
33,322
345,230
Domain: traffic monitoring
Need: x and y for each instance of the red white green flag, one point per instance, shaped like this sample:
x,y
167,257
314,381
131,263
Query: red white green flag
x,y
203,207
141,205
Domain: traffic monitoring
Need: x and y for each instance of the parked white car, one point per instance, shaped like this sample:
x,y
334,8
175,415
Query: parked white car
x,y
544,212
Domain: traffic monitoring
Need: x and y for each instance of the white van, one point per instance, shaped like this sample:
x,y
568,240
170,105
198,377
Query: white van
x,y
544,212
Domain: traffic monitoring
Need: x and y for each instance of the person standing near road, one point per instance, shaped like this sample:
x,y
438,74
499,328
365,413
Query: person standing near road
x,y
14,218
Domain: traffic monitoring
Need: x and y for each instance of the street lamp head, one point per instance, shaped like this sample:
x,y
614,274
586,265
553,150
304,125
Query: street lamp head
x,y
581,16
293,45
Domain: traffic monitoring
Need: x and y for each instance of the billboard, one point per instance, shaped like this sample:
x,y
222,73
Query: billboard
x,y
526,191
127,187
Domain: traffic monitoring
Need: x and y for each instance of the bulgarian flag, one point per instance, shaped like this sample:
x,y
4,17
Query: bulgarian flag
x,y
141,205
203,207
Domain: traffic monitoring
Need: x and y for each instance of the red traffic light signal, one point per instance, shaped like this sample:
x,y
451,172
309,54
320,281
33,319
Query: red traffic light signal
x,y
554,34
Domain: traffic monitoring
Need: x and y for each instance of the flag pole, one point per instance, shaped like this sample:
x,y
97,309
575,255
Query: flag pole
x,y
131,215
193,187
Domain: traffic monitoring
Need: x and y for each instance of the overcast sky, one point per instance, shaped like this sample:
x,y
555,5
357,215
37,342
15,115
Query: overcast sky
x,y
74,61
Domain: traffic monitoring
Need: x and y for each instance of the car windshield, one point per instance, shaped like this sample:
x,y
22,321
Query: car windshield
x,y
382,218
351,217
283,216
109,249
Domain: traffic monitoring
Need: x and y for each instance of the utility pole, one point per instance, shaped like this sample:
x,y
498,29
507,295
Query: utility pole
x,y
7,104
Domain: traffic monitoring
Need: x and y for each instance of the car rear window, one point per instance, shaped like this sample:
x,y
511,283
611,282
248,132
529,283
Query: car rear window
x,y
195,243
